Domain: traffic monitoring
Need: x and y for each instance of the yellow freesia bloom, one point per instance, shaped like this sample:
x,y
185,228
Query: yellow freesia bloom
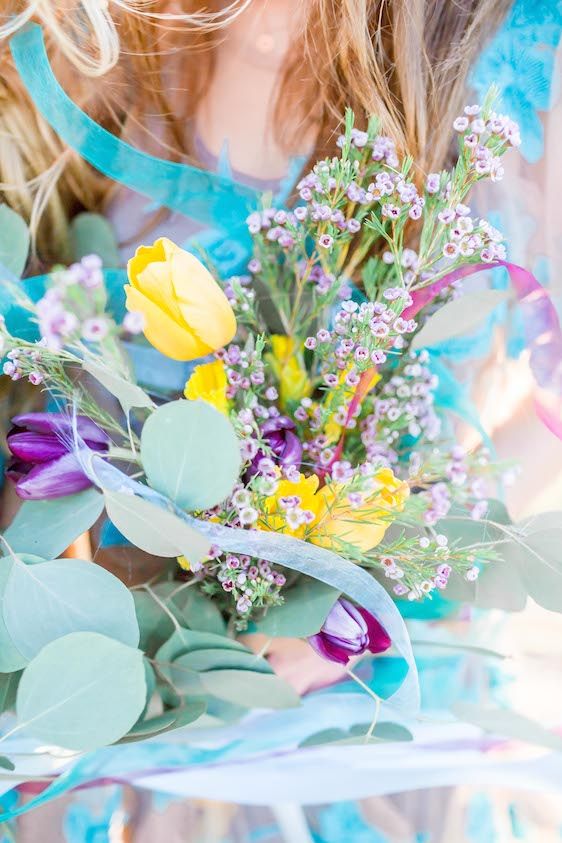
x,y
186,313
208,382
288,370
333,518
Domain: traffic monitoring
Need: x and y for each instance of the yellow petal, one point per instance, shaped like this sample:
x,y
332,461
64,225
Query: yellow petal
x,y
150,272
208,382
203,305
163,332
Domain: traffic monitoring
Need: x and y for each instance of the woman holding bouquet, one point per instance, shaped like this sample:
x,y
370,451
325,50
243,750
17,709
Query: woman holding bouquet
x,y
255,90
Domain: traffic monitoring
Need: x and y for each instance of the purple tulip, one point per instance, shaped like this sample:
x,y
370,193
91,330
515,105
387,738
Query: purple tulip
x,y
279,434
349,631
43,465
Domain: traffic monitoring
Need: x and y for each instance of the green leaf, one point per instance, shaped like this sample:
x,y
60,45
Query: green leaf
x,y
539,561
14,241
47,528
46,601
128,394
460,316
175,719
188,640
195,610
154,624
384,732
93,234
304,611
503,721
8,689
190,453
6,764
82,692
10,657
252,690
153,529
203,660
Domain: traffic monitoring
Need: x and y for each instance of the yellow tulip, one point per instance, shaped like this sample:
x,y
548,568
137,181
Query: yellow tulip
x,y
288,370
186,313
335,521
208,382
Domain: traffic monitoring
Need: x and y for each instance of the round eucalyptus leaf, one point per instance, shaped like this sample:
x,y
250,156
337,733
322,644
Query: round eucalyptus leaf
x,y
11,658
203,660
82,692
190,453
49,527
153,529
14,241
46,601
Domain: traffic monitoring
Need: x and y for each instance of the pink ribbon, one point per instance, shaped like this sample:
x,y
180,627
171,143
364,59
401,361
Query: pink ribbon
x,y
542,333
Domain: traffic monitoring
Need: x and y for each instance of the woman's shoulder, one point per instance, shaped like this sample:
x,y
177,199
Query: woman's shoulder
x,y
520,60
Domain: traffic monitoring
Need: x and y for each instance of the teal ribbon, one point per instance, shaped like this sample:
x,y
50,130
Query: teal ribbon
x,y
208,198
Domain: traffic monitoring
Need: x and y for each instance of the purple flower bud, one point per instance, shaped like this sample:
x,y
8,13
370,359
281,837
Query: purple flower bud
x,y
349,631
43,465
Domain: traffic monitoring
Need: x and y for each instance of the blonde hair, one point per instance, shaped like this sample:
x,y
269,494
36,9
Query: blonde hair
x,y
405,60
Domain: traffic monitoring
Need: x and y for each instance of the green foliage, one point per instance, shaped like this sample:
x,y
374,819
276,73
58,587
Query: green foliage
x,y
93,234
154,530
459,316
190,453
45,601
47,528
14,241
304,611
82,691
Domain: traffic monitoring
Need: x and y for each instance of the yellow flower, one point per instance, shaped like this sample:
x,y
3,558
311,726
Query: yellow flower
x,y
208,382
288,369
365,525
186,313
333,520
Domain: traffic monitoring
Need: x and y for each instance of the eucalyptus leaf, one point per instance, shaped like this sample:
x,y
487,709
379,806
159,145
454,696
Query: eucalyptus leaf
x,y
459,316
190,453
304,611
503,721
203,660
154,624
11,658
249,689
6,764
538,557
128,394
153,529
14,241
93,234
384,732
188,641
174,719
46,601
8,689
82,692
47,528
195,610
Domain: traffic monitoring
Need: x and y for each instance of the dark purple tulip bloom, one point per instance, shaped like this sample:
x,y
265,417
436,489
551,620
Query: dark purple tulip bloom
x,y
349,631
286,447
43,465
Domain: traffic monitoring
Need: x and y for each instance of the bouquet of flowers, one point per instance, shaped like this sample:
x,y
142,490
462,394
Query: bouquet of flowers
x,y
305,481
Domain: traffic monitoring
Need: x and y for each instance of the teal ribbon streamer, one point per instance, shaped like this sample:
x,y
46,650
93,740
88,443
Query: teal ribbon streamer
x,y
208,198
